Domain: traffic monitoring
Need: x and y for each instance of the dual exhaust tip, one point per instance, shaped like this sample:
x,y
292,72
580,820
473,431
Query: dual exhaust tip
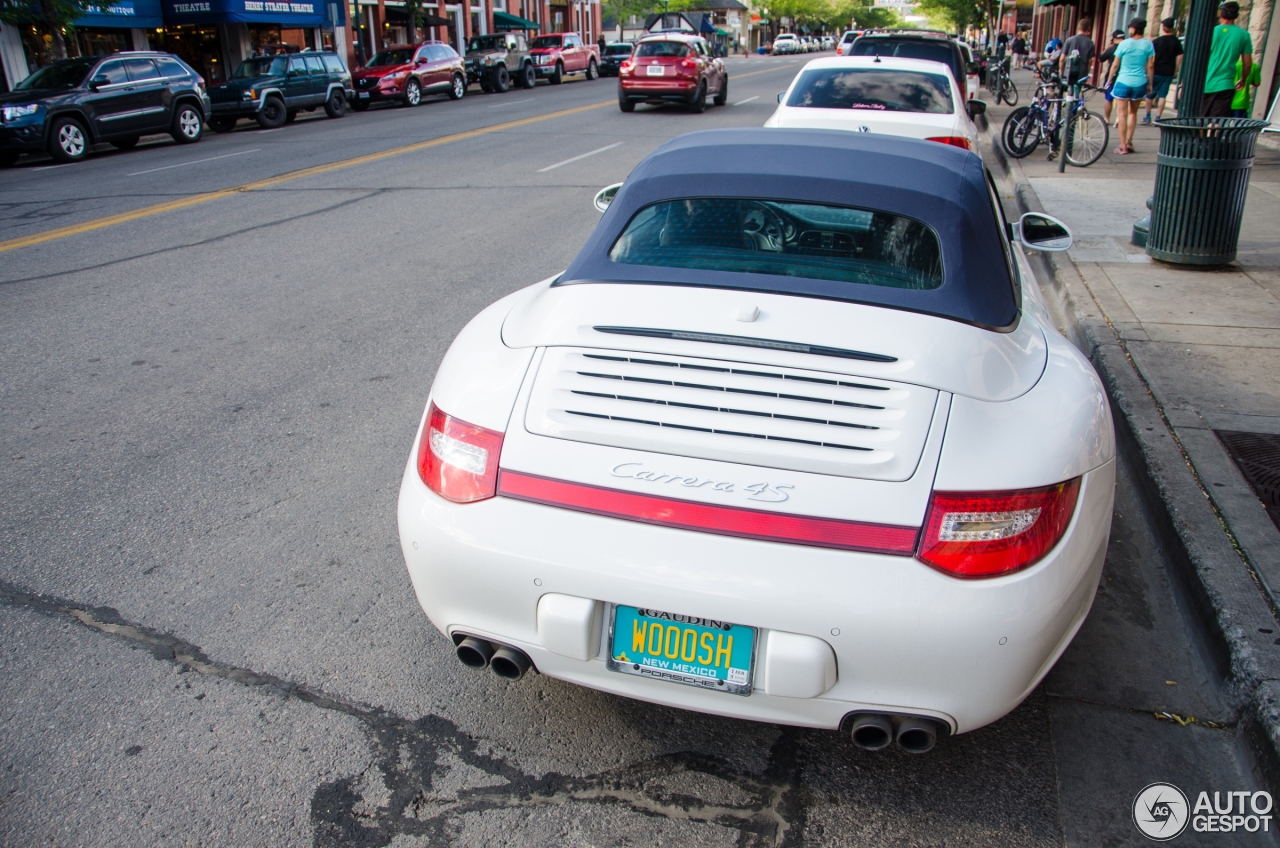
x,y
914,734
508,663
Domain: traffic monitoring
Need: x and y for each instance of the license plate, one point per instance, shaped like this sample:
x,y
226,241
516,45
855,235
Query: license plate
x,y
656,70
684,649
364,94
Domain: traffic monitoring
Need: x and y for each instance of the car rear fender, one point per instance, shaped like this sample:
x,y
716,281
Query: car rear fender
x,y
193,100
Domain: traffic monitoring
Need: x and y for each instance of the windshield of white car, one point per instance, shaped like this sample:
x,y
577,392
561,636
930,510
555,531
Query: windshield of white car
x,y
546,41
267,66
58,75
390,57
665,49
875,89
812,240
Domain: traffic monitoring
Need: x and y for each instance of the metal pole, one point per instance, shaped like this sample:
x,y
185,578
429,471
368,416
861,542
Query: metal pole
x,y
1200,24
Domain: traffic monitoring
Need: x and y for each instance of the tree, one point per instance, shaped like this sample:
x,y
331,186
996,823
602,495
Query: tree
x,y
57,15
953,15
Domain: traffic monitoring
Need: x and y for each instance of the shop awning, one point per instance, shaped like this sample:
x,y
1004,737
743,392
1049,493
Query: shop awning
x,y
122,14
722,31
508,21
293,13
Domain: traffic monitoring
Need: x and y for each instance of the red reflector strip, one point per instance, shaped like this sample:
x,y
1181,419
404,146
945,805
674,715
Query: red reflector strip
x,y
706,518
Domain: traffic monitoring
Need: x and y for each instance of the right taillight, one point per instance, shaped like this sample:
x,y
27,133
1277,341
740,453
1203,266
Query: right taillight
x,y
456,460
987,534
625,67
953,140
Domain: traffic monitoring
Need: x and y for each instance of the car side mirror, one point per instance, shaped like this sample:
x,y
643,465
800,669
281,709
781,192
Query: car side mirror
x,y
98,82
1042,232
781,94
976,108
974,68
605,196
422,60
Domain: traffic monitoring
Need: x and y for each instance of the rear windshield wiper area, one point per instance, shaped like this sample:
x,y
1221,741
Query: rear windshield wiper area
x,y
746,341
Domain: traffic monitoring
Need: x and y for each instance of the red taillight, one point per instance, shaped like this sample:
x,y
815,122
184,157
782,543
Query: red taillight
x,y
689,62
986,534
708,518
953,140
457,460
625,67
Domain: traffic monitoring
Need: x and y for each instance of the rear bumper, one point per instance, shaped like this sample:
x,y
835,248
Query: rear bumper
x,y
657,91
906,638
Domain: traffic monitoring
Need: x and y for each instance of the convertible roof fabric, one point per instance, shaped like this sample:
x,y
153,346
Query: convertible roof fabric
x,y
940,185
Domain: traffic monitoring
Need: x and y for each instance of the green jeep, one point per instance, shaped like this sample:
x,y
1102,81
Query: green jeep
x,y
274,89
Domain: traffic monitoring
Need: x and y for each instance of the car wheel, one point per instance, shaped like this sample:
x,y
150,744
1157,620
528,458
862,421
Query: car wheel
x,y
593,70
626,104
222,125
501,79
458,88
291,116
125,143
698,104
486,86
722,96
188,125
557,75
68,142
272,114
336,105
412,93
8,158
528,76
360,105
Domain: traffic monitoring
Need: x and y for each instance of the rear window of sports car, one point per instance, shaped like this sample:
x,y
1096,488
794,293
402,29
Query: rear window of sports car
x,y
867,88
811,240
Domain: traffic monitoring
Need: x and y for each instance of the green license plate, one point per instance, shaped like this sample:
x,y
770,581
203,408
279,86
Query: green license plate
x,y
682,649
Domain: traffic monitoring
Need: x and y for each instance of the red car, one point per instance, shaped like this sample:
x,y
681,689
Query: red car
x,y
407,73
672,68
556,55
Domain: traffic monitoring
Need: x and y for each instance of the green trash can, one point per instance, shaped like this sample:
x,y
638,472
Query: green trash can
x,y
1202,175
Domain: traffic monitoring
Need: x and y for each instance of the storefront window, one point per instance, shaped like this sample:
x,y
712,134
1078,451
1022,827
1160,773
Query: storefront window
x,y
198,46
102,42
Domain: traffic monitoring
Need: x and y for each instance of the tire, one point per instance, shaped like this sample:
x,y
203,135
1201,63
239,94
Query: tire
x,y
8,158
501,79
557,75
188,124
412,93
698,104
1021,133
1087,138
222,125
722,96
593,70
485,85
68,142
272,114
336,105
458,87
125,143
626,105
1010,93
360,105
528,77
291,116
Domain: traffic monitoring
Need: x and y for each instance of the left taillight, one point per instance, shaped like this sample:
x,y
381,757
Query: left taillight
x,y
953,140
988,534
456,460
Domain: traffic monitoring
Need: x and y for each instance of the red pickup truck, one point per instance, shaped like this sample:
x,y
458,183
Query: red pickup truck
x,y
564,53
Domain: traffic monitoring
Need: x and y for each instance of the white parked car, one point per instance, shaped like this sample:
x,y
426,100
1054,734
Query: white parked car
x,y
792,439
786,43
846,42
906,97
972,82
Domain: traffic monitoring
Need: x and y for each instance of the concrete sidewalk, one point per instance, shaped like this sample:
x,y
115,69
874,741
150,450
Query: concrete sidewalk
x,y
1192,356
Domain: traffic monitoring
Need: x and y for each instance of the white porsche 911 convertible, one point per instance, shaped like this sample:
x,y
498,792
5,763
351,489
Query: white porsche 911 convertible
x,y
792,440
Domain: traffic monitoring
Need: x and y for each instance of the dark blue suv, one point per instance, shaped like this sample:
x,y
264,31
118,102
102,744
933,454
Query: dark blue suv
x,y
67,107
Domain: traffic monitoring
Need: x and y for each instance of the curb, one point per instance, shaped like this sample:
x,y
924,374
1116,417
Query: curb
x,y
1227,598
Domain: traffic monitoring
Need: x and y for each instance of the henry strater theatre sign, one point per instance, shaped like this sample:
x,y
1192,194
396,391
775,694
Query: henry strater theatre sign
x,y
1162,812
291,12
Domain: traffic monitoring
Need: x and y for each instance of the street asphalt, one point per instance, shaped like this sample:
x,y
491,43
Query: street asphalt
x,y
207,633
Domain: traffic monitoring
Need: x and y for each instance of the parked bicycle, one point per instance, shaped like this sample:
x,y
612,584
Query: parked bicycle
x,y
999,83
1086,132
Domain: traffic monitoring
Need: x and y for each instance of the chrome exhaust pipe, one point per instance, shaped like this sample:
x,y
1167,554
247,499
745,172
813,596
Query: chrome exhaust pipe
x,y
474,652
872,732
508,663
917,735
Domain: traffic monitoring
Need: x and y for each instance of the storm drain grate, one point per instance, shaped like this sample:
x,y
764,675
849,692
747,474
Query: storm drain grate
x,y
1257,455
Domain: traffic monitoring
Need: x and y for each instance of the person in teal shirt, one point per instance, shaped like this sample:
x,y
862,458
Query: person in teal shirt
x,y
1131,76
1231,44
1244,97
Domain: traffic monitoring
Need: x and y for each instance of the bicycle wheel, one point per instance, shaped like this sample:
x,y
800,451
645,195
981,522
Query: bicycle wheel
x,y
1087,138
1009,94
1021,133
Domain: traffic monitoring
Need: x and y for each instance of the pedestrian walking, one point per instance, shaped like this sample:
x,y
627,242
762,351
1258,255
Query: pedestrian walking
x,y
1131,78
1077,53
1231,44
602,43
1168,49
1019,50
1108,60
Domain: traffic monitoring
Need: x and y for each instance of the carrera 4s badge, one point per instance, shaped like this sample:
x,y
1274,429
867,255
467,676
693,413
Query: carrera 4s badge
x,y
765,492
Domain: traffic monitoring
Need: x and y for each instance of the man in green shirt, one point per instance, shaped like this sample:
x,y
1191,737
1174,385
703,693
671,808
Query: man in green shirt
x,y
1230,44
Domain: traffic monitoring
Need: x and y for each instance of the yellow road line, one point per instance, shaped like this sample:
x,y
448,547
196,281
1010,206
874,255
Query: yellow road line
x,y
205,197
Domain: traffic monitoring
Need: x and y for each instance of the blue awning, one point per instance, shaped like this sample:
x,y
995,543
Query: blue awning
x,y
122,14
286,13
